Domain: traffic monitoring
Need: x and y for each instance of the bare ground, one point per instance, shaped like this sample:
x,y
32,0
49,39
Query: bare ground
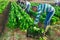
x,y
19,35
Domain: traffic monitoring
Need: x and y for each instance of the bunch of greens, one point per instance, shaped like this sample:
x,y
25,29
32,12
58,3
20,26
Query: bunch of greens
x,y
3,5
18,18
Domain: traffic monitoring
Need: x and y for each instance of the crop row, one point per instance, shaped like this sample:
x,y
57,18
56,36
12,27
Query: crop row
x,y
18,18
3,5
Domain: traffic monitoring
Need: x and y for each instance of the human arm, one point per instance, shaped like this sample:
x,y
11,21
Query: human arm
x,y
39,11
27,7
37,17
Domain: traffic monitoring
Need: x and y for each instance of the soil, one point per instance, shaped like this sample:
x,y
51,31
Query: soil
x,y
3,18
17,34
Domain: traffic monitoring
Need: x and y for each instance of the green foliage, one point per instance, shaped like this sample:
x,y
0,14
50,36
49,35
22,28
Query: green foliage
x,y
3,5
18,18
57,11
35,31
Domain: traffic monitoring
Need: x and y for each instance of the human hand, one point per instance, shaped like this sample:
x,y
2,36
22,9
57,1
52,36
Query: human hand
x,y
24,9
39,24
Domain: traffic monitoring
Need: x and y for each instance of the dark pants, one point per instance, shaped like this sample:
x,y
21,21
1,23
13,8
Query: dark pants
x,y
48,18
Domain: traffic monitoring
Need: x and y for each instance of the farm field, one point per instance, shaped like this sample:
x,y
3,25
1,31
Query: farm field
x,y
18,23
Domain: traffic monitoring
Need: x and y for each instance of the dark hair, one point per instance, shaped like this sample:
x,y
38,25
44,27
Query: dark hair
x,y
22,2
34,6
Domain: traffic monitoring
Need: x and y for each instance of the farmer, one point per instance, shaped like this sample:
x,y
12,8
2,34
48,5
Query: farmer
x,y
27,6
21,3
56,2
18,1
41,8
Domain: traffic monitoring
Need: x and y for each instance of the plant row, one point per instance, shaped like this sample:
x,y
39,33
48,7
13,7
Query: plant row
x,y
3,5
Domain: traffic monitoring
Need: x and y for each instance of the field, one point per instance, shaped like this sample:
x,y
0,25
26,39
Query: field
x,y
19,24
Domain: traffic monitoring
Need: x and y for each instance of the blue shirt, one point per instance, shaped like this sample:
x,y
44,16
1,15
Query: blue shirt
x,y
43,8
28,6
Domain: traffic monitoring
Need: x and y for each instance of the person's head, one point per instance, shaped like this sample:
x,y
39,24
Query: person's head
x,y
34,8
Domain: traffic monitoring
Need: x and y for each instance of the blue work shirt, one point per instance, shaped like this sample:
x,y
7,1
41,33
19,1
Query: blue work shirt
x,y
43,8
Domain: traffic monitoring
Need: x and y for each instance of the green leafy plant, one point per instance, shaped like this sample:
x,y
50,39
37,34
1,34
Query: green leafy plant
x,y
3,5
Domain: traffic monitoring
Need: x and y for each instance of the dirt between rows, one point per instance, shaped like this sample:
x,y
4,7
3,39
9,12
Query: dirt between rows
x,y
14,35
4,17
17,34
